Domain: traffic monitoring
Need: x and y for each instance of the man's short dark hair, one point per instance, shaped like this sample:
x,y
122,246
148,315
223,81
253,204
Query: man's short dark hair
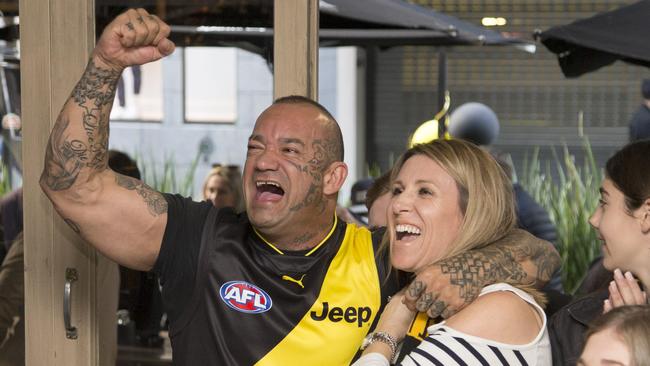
x,y
334,130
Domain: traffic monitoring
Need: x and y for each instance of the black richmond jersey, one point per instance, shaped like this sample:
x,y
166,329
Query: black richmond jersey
x,y
248,303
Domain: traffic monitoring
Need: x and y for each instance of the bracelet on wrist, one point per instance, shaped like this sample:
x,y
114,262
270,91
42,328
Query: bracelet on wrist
x,y
382,337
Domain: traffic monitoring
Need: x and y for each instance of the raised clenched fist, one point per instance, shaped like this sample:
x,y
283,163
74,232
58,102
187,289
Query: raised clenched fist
x,y
135,37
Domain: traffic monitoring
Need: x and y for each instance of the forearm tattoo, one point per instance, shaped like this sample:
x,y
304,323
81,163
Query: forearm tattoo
x,y
470,271
65,156
542,255
156,203
500,262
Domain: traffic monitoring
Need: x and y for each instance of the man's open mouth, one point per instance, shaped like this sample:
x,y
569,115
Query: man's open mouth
x,y
269,191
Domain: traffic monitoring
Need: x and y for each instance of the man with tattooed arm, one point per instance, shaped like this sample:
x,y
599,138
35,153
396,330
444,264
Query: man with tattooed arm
x,y
285,279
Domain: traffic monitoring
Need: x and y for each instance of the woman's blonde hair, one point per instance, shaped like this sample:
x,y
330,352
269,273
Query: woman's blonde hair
x,y
632,324
232,177
486,197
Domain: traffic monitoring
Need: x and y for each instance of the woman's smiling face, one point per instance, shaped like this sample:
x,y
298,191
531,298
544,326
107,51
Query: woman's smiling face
x,y
621,232
424,216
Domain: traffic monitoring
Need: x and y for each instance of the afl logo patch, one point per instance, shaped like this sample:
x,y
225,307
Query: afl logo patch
x,y
245,297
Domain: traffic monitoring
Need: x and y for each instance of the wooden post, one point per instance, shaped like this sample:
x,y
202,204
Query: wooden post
x,y
295,48
56,39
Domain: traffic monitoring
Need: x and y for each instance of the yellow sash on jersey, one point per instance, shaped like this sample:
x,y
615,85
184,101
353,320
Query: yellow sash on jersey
x,y
351,289
418,328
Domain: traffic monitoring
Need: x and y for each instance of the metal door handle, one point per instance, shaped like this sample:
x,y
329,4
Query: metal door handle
x,y
70,277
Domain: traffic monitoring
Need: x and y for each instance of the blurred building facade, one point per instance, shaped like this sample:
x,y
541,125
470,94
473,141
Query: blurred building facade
x,y
536,104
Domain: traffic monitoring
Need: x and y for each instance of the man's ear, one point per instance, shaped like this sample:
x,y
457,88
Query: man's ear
x,y
334,177
644,212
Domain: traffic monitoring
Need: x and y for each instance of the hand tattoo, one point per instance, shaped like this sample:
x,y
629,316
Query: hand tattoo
x,y
437,309
415,289
424,302
470,271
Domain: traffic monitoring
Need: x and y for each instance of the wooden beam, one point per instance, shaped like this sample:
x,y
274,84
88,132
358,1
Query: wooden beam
x,y
161,9
56,39
295,48
9,6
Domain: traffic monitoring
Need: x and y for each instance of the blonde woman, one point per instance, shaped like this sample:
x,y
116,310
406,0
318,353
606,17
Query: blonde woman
x,y
620,337
223,188
449,197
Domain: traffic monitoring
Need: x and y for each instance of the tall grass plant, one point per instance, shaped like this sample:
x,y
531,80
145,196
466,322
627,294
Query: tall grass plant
x,y
570,199
167,179
5,178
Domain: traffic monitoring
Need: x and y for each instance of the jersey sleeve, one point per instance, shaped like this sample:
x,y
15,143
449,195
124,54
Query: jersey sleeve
x,y
179,253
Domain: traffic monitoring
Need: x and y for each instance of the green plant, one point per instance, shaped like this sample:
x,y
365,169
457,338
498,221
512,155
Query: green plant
x,y
167,180
570,199
5,179
373,171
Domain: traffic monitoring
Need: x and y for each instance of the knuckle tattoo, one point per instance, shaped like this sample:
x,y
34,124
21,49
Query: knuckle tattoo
x,y
437,308
415,288
424,302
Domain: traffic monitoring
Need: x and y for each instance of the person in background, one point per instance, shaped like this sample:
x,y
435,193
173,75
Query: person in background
x,y
12,296
358,192
534,218
363,211
640,123
12,305
622,220
477,123
448,197
223,187
620,337
377,199
11,217
139,291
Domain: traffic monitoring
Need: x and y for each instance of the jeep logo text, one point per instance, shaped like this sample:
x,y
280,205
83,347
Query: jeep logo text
x,y
350,314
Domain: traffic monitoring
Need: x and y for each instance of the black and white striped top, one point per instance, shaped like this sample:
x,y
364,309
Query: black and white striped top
x,y
449,347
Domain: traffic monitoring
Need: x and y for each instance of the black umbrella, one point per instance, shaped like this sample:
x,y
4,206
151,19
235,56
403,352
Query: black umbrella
x,y
249,23
588,44
342,23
